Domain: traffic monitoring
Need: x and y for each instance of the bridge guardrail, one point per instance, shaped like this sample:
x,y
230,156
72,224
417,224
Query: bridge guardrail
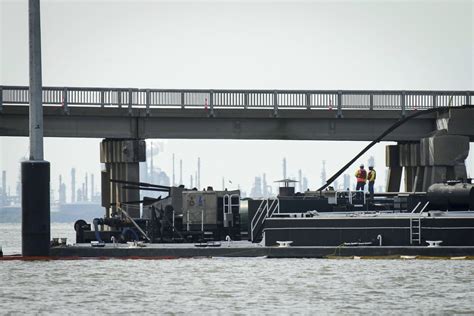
x,y
239,99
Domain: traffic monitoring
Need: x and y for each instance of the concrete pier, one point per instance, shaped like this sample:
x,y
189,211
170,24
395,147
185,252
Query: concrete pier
x,y
433,159
392,161
35,204
35,172
121,158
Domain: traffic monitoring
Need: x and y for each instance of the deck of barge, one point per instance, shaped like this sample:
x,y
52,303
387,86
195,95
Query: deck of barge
x,y
247,249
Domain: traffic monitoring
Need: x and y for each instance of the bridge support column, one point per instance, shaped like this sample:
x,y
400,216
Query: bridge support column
x,y
410,162
404,159
434,159
392,161
121,158
444,158
35,221
418,169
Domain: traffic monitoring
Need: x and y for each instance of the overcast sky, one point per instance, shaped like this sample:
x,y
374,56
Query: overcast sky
x,y
255,45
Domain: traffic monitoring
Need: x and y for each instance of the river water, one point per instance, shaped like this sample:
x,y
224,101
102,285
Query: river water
x,y
230,285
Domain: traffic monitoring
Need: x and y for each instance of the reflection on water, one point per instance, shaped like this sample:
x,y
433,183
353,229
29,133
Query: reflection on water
x,y
236,285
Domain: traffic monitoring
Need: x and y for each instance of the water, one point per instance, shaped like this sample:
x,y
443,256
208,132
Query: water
x,y
10,235
232,286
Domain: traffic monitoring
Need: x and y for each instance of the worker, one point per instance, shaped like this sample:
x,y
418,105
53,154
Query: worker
x,y
371,178
361,176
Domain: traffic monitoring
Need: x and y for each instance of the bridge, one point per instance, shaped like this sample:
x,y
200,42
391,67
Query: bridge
x,y
230,114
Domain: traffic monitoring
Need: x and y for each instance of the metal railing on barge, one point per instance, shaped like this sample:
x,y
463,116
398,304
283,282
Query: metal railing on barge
x,y
239,99
265,210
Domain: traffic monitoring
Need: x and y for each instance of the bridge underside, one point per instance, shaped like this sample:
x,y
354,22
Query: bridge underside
x,y
87,122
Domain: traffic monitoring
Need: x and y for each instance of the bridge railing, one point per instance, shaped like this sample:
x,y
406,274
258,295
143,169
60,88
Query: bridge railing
x,y
238,99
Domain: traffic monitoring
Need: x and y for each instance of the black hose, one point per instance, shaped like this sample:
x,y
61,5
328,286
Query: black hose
x,y
132,187
96,222
132,231
140,184
385,133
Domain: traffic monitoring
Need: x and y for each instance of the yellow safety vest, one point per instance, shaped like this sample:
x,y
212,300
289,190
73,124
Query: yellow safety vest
x,y
372,175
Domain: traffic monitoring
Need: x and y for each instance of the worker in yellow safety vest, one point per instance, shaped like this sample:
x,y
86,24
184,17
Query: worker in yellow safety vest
x,y
361,176
371,178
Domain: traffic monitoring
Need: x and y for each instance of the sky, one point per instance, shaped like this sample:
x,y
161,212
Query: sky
x,y
410,45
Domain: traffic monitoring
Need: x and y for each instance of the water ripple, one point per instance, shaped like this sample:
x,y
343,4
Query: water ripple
x,y
236,286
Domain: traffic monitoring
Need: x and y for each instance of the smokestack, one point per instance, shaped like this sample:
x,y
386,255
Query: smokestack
x,y
61,191
323,173
92,187
223,184
300,179
346,182
198,180
371,161
264,185
284,168
173,183
150,175
86,189
4,188
305,184
73,185
191,181
181,171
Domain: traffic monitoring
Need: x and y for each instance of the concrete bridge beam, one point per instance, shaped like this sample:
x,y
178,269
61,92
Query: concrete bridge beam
x,y
457,122
292,124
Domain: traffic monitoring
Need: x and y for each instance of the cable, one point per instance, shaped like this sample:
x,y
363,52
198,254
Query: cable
x,y
385,133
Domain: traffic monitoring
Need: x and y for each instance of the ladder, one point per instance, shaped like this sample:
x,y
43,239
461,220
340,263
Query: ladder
x,y
415,230
415,224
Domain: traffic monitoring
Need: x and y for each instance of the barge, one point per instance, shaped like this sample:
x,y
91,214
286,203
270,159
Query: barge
x,y
312,224
438,222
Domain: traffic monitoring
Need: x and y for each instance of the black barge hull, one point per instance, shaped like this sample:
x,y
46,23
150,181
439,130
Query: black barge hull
x,y
376,230
189,251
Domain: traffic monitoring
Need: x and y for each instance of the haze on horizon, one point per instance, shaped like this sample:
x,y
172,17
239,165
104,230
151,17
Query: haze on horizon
x,y
410,45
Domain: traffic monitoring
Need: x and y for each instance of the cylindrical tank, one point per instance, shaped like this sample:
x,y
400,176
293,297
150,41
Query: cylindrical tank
x,y
451,196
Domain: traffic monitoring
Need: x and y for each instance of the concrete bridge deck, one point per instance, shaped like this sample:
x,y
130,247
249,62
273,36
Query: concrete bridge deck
x,y
229,114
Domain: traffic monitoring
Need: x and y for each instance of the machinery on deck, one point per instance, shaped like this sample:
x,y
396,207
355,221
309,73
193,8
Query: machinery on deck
x,y
184,215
